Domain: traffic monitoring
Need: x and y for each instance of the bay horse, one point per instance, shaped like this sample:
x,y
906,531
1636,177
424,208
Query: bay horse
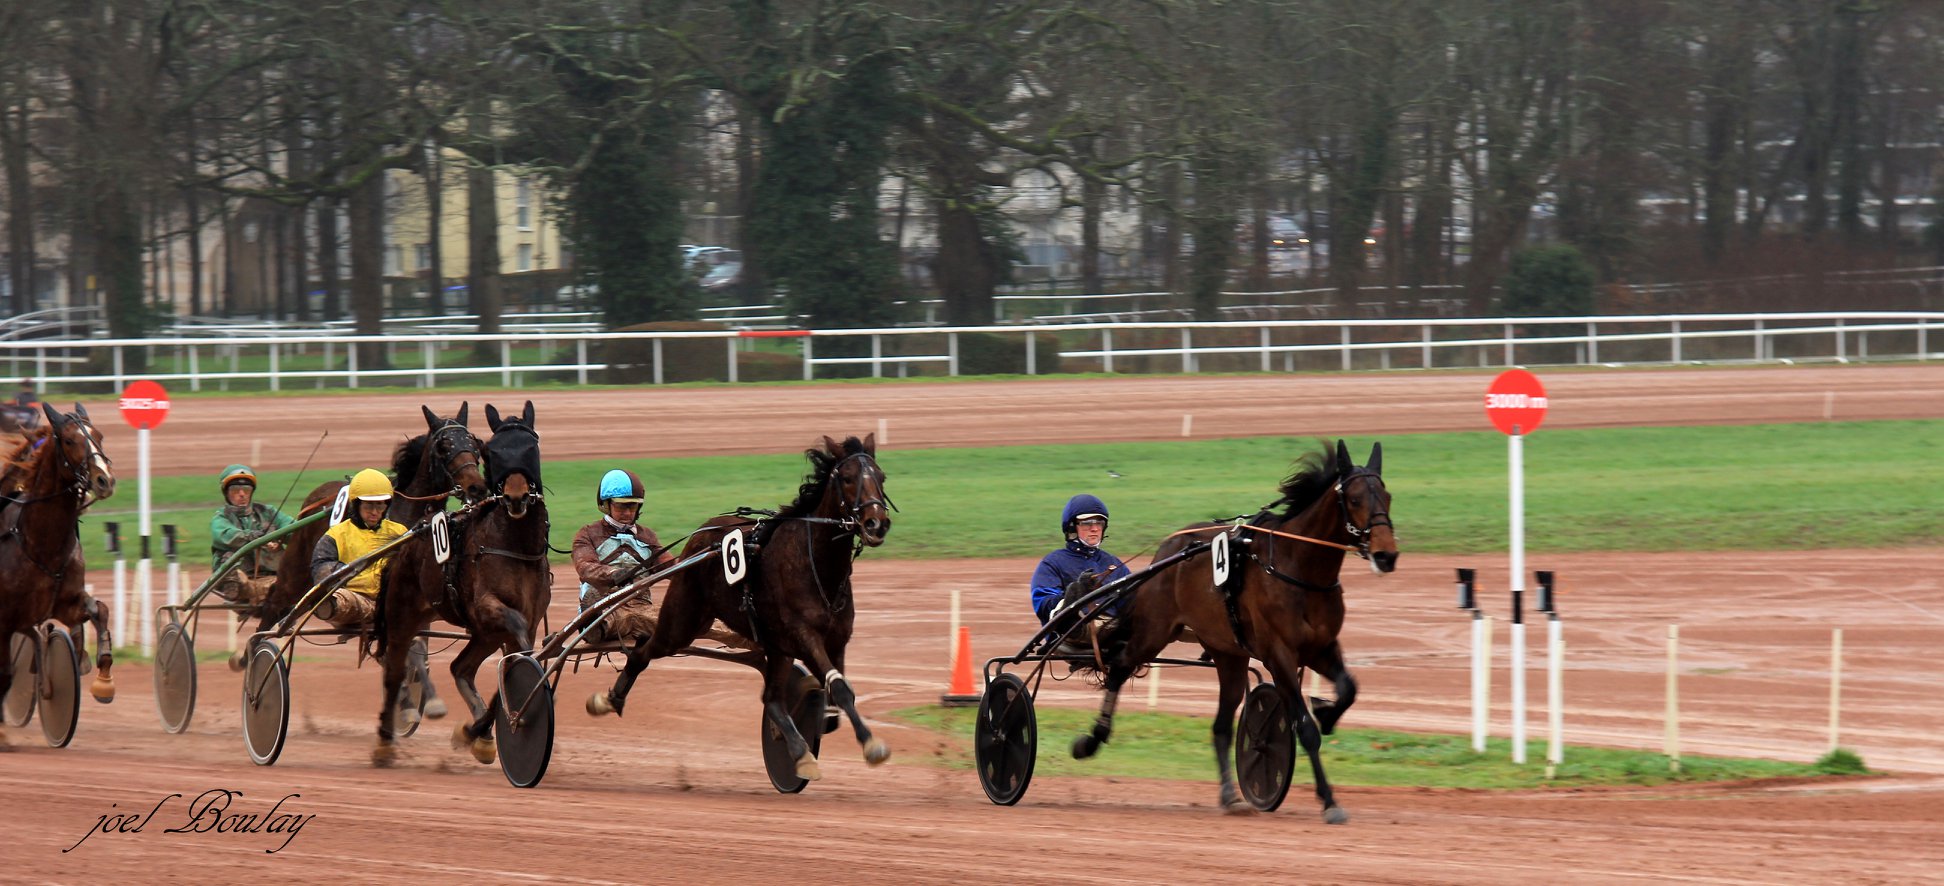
x,y
428,469
42,573
795,602
1283,604
496,584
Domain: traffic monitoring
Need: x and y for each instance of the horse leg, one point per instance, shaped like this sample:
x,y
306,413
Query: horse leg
x,y
1328,663
397,657
778,674
1289,675
435,707
1139,647
484,748
875,750
613,700
465,671
103,687
674,629
1233,671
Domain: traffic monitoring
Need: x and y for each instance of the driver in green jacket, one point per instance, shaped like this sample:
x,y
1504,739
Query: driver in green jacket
x,y
239,522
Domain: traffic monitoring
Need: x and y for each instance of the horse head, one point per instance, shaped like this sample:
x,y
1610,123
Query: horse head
x,y
1366,507
452,455
78,444
513,459
857,485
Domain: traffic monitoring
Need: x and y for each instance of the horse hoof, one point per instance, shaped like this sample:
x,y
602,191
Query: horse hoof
x,y
1239,807
460,740
1085,746
407,719
435,707
384,755
103,689
807,768
1335,815
876,751
484,750
598,704
236,662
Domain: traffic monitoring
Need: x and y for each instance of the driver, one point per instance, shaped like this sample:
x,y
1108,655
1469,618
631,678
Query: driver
x,y
362,531
615,550
239,522
1084,523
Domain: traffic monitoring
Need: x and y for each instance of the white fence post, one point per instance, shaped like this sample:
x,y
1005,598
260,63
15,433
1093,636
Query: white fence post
x,y
1032,358
119,384
877,355
580,360
1426,360
195,377
808,359
1923,347
506,364
1508,344
731,342
426,350
1676,340
1592,343
951,353
351,355
1107,350
1187,349
1842,345
658,360
276,384
1265,349
1346,349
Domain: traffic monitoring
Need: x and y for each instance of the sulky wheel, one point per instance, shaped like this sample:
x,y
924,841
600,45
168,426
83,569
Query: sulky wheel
x,y
20,693
523,720
266,704
60,688
806,707
1265,747
175,678
1005,740
412,699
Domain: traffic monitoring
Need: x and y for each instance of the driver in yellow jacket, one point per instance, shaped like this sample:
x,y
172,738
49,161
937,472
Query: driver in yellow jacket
x,y
362,531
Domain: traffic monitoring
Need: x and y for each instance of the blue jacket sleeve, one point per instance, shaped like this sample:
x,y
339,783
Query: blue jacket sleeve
x,y
1047,588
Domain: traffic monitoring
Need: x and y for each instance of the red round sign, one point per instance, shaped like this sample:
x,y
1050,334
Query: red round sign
x,y
144,404
1516,402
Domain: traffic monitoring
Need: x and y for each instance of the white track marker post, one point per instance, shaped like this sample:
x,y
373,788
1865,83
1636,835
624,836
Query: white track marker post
x,y
229,627
884,437
1555,647
120,626
1154,687
1485,685
142,576
175,567
1516,404
1835,686
951,638
1672,744
256,452
1187,424
1480,672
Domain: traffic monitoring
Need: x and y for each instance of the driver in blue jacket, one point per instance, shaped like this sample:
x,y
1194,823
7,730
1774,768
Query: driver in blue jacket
x,y
1084,522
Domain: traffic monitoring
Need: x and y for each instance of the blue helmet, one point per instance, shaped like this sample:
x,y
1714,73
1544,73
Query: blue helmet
x,y
619,485
1082,505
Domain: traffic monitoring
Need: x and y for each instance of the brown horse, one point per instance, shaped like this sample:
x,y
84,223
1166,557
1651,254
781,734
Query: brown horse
x,y
1283,605
795,603
429,468
495,584
40,542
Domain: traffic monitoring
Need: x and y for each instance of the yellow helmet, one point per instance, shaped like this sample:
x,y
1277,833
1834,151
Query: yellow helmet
x,y
371,485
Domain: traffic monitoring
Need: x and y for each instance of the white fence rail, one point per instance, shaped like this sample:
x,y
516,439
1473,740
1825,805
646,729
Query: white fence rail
x,y
514,359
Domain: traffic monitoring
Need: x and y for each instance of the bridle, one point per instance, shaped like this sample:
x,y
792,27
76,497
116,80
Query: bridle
x,y
1361,535
77,485
467,445
851,513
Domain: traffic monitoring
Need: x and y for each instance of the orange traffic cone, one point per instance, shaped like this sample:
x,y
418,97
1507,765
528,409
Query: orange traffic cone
x,y
961,694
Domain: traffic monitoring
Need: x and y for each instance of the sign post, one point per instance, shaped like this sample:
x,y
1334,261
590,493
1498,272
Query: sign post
x,y
1516,404
144,405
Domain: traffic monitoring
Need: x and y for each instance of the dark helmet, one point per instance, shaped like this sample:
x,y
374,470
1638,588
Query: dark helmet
x,y
1082,505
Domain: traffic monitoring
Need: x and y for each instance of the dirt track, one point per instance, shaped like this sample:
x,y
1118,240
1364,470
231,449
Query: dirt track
x,y
676,793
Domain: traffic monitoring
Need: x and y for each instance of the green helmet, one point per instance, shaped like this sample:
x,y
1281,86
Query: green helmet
x,y
237,474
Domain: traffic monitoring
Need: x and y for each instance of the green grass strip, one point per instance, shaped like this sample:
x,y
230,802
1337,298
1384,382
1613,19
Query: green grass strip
x,y
1177,747
1750,487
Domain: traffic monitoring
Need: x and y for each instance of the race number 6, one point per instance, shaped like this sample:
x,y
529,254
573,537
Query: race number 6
x,y
735,563
343,501
1219,557
441,538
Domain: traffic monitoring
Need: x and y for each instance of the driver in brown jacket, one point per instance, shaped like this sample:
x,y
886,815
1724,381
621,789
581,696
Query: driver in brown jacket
x,y
615,550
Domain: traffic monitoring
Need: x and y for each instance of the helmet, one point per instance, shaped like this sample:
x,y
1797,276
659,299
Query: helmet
x,y
1082,505
619,485
371,485
236,474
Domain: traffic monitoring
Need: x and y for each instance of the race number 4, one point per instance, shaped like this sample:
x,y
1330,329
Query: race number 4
x,y
1219,557
441,538
338,507
735,561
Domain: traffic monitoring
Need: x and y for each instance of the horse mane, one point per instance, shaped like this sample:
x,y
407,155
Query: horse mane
x,y
406,458
822,461
1313,475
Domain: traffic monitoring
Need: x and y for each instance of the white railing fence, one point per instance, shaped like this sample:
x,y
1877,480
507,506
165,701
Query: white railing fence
x,y
518,358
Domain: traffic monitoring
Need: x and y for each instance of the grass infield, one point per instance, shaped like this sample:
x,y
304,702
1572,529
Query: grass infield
x,y
1749,487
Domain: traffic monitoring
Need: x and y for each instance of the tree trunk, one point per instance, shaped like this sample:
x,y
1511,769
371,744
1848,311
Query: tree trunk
x,y
367,212
328,267
191,200
434,229
1092,195
14,135
482,237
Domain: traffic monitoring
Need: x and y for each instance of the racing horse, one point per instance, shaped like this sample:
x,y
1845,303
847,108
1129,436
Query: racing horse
x,y
429,468
795,601
495,584
1283,604
40,541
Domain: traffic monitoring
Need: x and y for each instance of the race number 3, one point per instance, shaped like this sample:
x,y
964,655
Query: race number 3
x,y
735,562
1219,557
441,538
337,507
